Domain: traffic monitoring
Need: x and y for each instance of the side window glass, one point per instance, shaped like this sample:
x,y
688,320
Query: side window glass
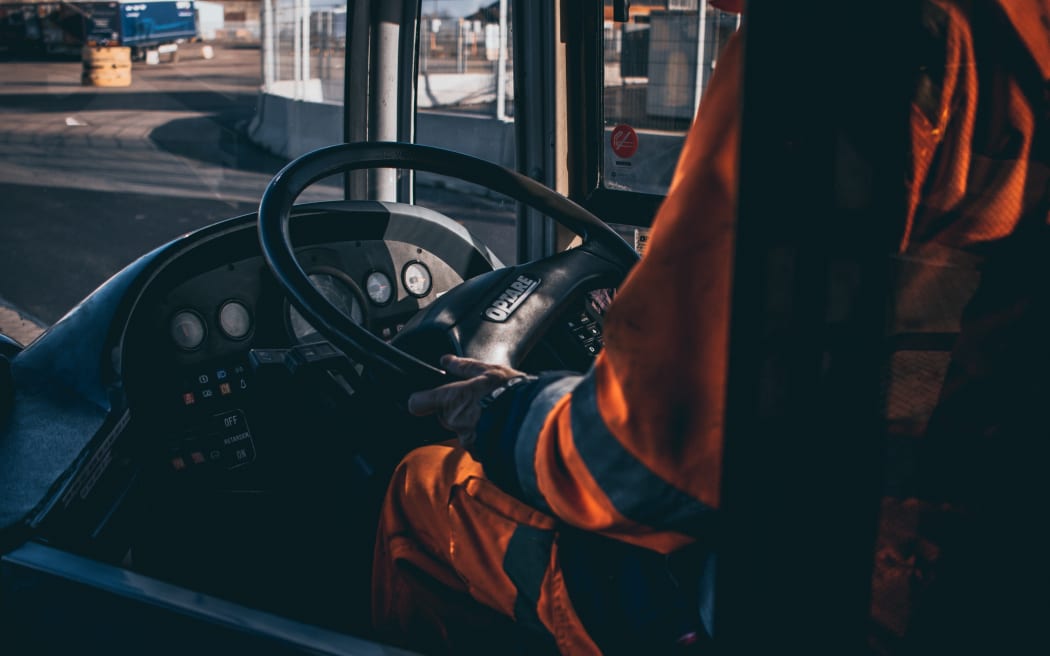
x,y
656,67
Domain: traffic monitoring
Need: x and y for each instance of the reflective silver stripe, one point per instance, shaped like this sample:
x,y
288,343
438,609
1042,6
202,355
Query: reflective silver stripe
x,y
635,491
525,562
529,433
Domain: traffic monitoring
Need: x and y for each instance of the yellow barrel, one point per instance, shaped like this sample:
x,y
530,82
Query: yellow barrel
x,y
106,66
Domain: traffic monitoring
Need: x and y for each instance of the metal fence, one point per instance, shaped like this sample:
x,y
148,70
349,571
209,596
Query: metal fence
x,y
304,49
658,63
465,63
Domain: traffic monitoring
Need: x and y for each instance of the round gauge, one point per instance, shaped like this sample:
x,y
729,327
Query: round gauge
x,y
235,320
340,292
187,330
416,278
379,288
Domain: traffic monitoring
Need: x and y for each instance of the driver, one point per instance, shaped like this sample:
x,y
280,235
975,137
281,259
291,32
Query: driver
x,y
557,476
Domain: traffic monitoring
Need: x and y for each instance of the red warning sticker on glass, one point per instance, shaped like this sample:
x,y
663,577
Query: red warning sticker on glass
x,y
624,141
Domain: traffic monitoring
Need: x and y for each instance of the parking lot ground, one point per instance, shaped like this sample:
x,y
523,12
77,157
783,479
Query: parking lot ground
x,y
94,177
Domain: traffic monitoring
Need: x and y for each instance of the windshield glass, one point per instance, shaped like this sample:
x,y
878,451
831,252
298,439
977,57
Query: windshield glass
x,y
111,150
465,102
127,124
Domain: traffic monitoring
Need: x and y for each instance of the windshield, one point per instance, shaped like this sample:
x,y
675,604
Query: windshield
x,y
128,124
465,102
110,151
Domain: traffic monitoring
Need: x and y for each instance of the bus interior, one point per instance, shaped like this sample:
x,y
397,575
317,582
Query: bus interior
x,y
192,457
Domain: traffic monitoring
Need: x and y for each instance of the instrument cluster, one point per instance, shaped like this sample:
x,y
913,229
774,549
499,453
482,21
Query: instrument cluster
x,y
189,329
379,299
218,326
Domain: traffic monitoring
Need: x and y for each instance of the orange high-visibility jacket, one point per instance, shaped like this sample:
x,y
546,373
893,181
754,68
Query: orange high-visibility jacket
x,y
633,448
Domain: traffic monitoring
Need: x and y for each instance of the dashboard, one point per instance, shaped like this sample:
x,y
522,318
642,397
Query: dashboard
x,y
215,336
215,358
225,368
216,432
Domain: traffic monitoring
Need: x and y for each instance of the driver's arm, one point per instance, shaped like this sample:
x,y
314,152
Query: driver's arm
x,y
633,447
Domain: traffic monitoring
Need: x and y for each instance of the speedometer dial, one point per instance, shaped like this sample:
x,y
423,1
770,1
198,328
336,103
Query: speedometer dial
x,y
340,292
187,330
379,288
416,278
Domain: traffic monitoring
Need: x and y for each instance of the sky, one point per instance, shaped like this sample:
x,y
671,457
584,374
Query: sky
x,y
453,7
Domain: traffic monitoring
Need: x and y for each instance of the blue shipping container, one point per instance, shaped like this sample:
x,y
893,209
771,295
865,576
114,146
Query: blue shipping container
x,y
140,24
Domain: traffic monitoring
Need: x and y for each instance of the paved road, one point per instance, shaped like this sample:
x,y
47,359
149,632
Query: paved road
x,y
91,177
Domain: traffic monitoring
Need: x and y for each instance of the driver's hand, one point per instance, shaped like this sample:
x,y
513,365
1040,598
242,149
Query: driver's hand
x,y
458,404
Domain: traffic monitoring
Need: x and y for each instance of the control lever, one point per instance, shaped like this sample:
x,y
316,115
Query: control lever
x,y
308,357
324,360
319,359
340,381
320,356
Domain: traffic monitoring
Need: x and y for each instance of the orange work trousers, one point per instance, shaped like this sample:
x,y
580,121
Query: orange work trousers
x,y
461,566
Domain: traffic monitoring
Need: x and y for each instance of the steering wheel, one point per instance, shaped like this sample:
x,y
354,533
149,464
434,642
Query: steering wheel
x,y
496,316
